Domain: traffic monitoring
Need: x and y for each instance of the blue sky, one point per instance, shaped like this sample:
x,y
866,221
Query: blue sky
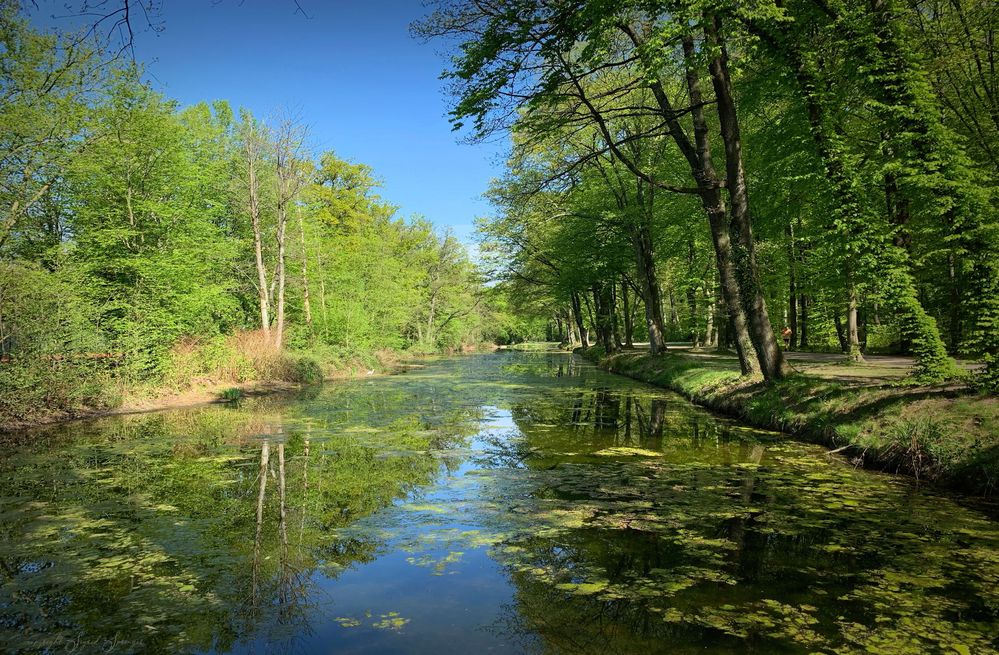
x,y
366,88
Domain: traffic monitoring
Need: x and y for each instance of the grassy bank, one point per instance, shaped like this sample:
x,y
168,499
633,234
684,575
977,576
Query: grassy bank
x,y
47,390
945,433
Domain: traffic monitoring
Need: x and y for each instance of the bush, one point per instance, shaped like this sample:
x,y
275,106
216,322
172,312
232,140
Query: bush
x,y
240,357
304,369
51,358
32,388
206,361
265,361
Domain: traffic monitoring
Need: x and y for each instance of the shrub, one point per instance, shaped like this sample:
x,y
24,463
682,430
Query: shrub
x,y
304,369
202,361
265,361
51,357
41,386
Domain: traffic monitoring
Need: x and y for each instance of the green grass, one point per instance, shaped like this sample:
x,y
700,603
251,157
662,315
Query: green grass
x,y
232,394
943,432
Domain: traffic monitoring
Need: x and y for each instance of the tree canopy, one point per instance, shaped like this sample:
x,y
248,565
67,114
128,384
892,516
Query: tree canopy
x,y
840,153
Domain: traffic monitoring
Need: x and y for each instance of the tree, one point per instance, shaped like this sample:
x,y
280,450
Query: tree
x,y
45,85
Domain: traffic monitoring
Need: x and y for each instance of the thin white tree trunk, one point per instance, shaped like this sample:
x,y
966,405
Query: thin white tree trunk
x,y
282,225
306,305
252,155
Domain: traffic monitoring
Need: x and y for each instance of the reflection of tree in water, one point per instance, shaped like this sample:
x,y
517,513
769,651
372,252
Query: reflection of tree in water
x,y
625,519
651,526
720,559
287,589
590,419
547,365
189,525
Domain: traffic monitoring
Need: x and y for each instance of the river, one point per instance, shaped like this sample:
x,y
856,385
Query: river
x,y
504,502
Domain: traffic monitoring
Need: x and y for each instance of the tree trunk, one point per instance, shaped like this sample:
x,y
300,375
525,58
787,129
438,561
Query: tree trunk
x,y
792,297
723,338
287,147
954,292
306,306
714,206
577,313
252,154
844,345
570,328
862,329
695,333
322,292
281,232
431,315
739,334
603,305
771,359
709,304
645,264
698,156
853,353
803,303
692,297
898,206
629,323
589,312
616,323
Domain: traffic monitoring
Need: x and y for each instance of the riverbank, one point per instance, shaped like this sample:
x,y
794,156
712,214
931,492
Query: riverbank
x,y
946,433
164,400
195,393
197,377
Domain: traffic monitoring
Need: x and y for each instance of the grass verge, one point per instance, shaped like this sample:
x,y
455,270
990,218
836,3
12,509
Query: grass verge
x,y
945,433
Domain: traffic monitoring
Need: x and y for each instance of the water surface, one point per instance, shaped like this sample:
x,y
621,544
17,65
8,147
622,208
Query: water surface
x,y
509,502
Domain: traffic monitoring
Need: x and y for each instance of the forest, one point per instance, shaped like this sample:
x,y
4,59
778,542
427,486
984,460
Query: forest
x,y
148,246
707,364
727,173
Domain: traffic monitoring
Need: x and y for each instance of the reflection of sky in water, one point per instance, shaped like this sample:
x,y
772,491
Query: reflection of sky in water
x,y
420,576
507,502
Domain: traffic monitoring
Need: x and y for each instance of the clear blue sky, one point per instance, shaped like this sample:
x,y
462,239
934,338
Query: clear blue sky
x,y
366,88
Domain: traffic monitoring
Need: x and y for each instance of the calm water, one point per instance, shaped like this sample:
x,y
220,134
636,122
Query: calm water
x,y
508,502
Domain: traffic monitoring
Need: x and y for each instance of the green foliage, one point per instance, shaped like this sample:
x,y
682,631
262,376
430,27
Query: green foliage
x,y
45,81
129,254
305,369
150,258
211,360
868,205
49,350
232,394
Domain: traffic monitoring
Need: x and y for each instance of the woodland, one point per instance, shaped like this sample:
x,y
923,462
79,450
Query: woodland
x,y
728,173
778,218
146,246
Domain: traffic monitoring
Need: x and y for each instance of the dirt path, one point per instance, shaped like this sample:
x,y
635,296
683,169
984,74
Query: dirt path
x,y
874,369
